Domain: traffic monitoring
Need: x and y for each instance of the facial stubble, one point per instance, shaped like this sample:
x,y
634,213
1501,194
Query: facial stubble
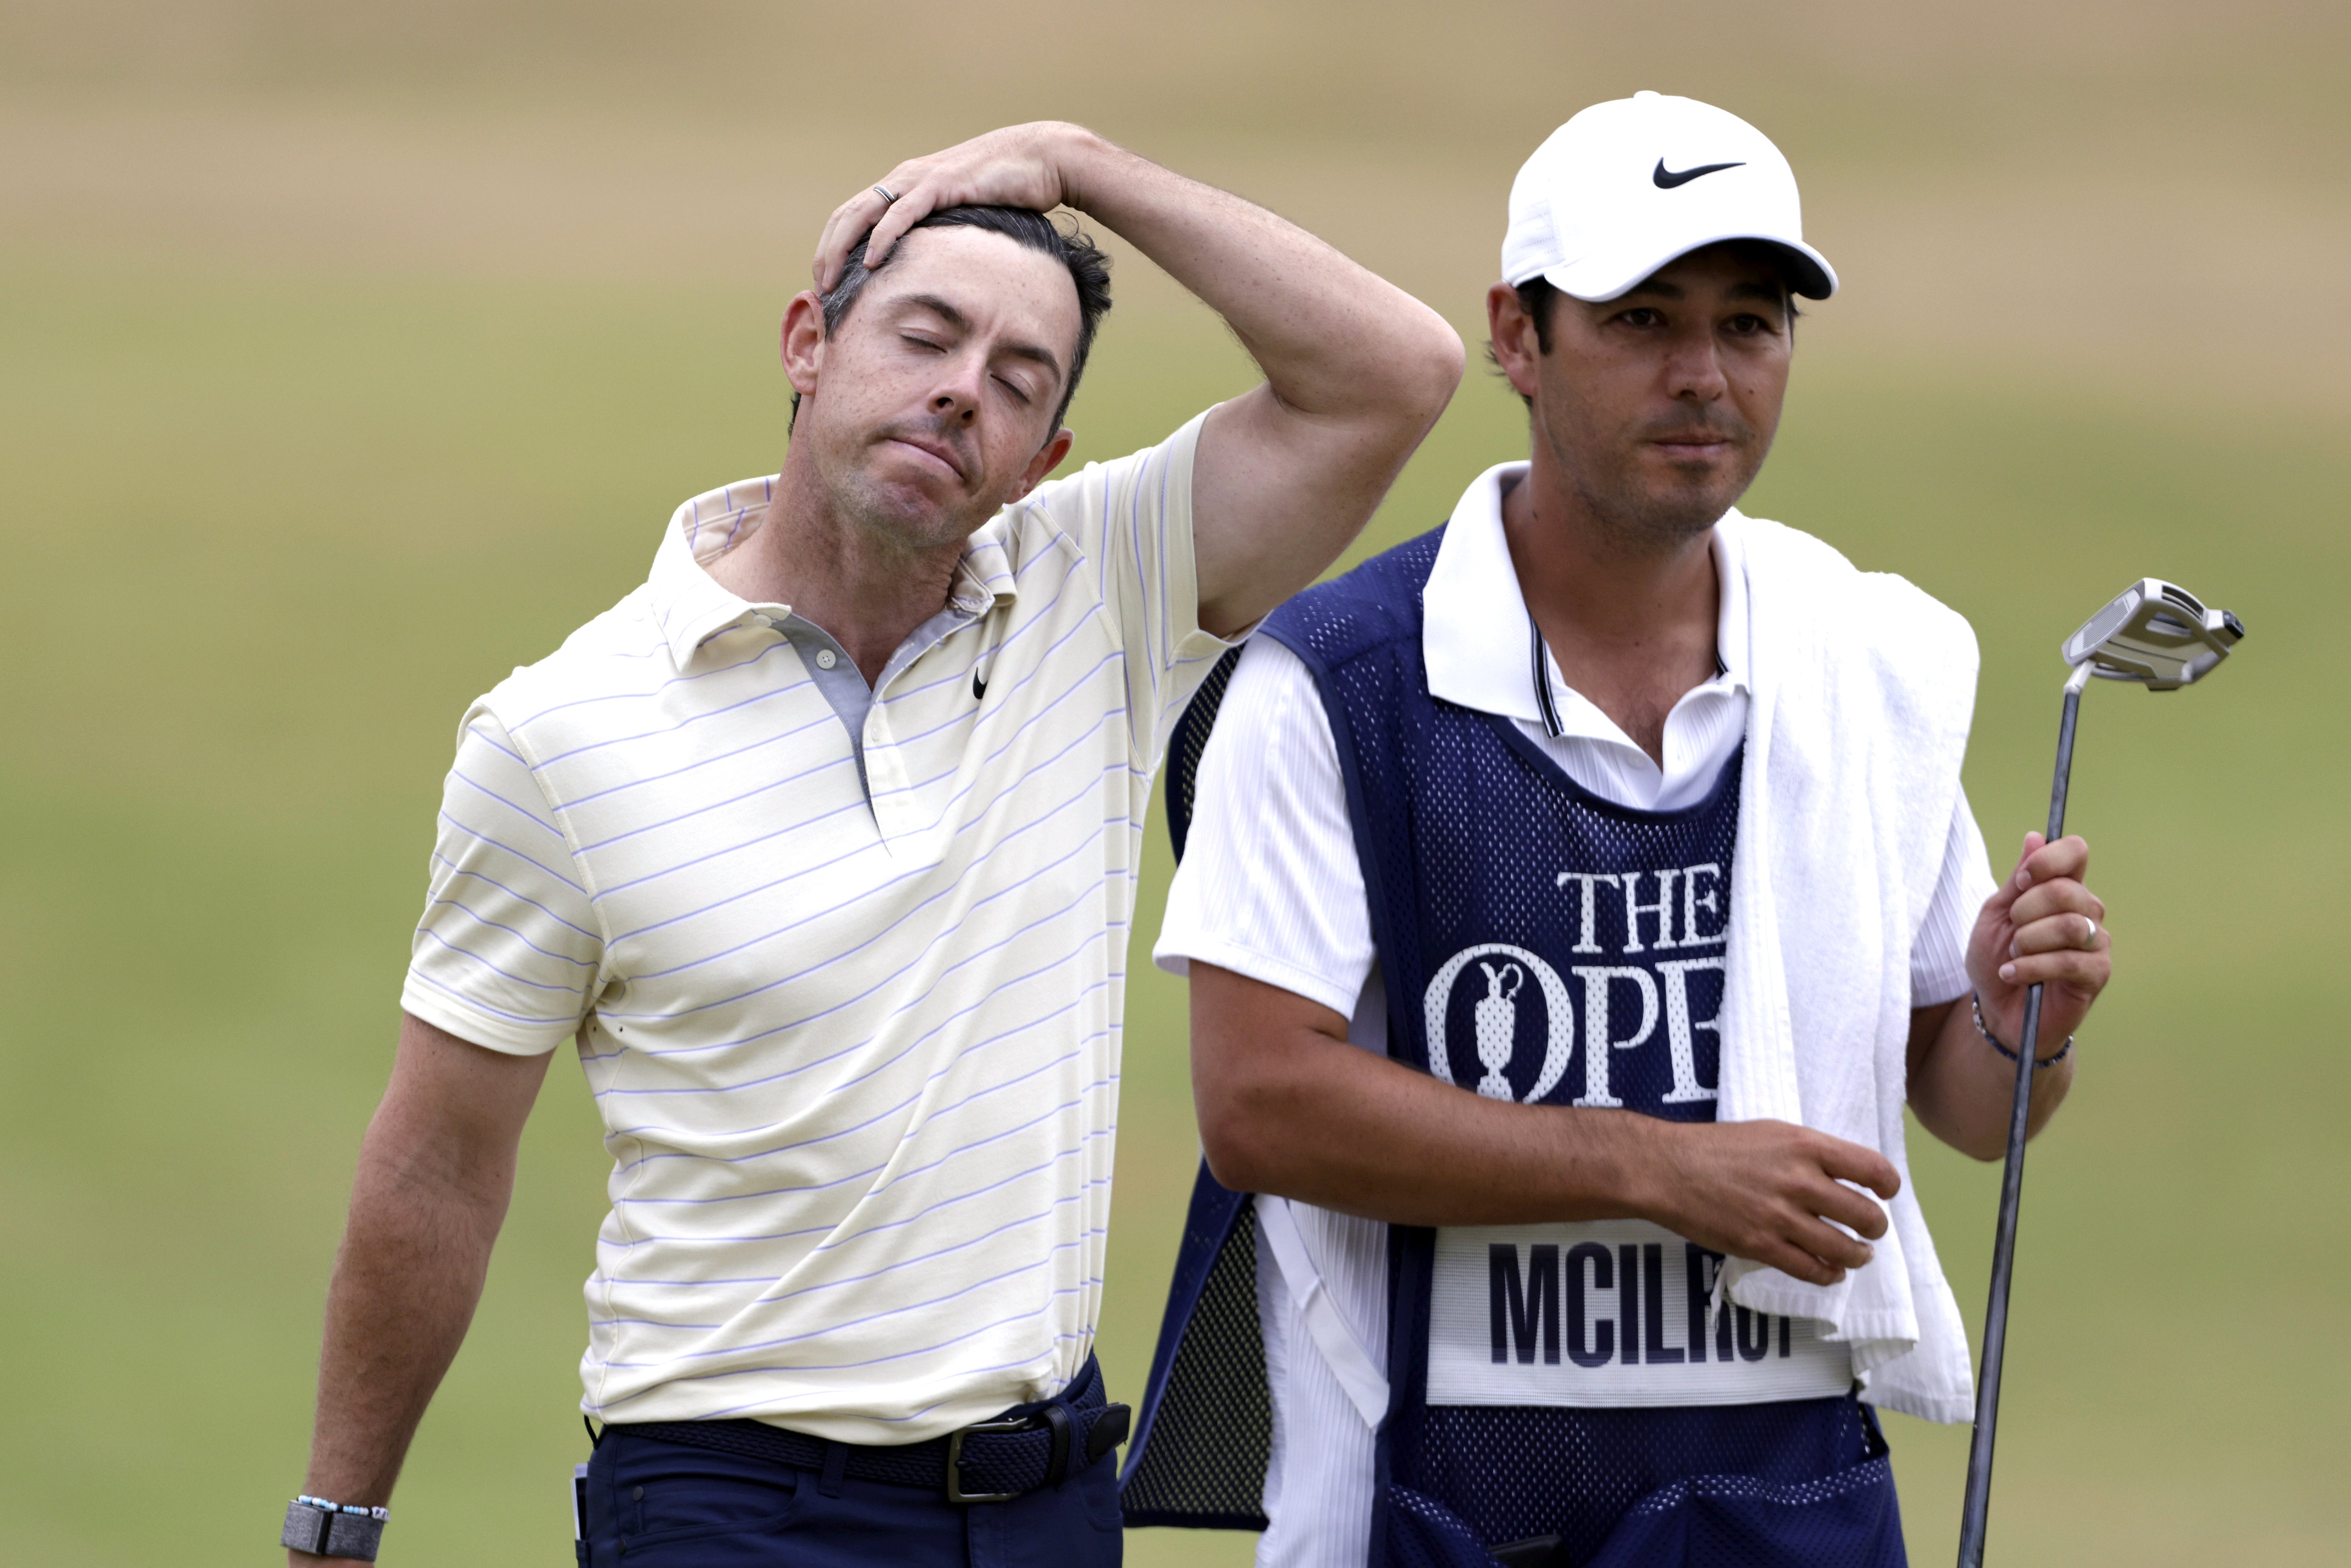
x,y
1614,490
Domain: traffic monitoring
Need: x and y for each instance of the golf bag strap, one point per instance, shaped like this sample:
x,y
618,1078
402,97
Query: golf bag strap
x,y
1365,1386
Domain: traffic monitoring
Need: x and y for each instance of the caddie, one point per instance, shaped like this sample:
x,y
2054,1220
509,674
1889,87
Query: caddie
x,y
1574,898
820,847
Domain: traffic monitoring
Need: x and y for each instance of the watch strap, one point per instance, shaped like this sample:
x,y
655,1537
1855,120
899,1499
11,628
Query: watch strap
x,y
328,1530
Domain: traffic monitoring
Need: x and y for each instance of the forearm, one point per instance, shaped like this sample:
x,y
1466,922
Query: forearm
x,y
435,1172
1334,339
1287,1106
407,1279
1322,1122
1961,1089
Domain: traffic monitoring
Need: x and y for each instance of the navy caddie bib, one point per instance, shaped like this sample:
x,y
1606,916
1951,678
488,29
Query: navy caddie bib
x,y
1541,945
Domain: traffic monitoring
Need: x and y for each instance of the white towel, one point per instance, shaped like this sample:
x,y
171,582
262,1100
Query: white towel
x,y
1862,689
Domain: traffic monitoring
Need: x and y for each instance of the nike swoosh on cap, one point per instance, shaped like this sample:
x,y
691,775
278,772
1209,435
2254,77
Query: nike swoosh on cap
x,y
1668,179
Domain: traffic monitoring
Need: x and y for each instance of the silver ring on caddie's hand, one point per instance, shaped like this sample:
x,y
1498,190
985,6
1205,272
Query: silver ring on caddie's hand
x,y
883,191
2092,939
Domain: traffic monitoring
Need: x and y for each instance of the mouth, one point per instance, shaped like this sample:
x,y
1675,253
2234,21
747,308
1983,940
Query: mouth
x,y
1693,445
936,451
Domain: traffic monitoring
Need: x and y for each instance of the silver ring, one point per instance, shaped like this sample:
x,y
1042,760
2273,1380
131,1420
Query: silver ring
x,y
883,191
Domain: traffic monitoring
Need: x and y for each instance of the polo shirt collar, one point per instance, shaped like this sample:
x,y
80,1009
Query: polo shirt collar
x,y
1475,635
691,607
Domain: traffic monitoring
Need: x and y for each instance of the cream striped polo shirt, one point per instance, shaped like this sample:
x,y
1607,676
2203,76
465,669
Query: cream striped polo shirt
x,y
856,1046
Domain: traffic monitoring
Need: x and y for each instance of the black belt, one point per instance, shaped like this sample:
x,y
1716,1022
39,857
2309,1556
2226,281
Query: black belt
x,y
1027,1446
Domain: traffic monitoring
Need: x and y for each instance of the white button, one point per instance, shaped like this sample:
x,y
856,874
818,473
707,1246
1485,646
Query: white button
x,y
825,659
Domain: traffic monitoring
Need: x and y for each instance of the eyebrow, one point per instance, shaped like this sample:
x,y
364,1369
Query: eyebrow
x,y
959,322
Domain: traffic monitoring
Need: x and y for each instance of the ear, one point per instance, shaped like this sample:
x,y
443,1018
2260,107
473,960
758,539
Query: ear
x,y
1049,457
1512,332
800,343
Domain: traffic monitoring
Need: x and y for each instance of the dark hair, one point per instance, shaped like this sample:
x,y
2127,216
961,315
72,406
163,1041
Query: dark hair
x,y
1088,273
1537,295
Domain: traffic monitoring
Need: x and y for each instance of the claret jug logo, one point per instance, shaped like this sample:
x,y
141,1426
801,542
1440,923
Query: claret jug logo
x,y
1498,1020
1498,1027
1622,1000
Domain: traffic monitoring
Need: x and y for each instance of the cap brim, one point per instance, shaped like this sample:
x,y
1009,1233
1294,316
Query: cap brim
x,y
1598,278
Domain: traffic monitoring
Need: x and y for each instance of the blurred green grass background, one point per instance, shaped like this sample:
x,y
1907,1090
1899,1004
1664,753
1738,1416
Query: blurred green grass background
x,y
348,358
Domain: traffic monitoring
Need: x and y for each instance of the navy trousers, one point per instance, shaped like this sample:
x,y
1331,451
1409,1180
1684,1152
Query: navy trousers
x,y
652,1504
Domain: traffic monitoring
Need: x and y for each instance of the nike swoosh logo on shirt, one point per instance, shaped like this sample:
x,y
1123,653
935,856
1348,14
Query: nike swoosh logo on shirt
x,y
978,686
1668,179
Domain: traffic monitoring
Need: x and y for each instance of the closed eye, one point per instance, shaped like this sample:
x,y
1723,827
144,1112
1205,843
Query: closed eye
x,y
1015,388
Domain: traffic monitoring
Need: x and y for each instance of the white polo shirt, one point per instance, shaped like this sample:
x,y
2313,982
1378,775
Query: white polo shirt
x,y
1270,887
856,1052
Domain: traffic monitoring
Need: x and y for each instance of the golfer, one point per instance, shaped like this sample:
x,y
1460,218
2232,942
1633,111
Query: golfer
x,y
820,848
1575,897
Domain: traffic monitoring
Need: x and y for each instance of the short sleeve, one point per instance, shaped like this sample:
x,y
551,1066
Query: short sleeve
x,y
1270,886
1133,520
1938,956
507,951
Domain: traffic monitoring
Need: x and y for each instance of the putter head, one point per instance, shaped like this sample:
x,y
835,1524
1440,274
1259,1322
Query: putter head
x,y
2157,633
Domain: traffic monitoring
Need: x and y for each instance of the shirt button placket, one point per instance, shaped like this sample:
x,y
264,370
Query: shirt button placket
x,y
884,778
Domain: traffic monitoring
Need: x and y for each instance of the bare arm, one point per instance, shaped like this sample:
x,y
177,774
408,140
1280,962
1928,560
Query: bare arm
x,y
1356,370
434,1174
1287,1106
2043,926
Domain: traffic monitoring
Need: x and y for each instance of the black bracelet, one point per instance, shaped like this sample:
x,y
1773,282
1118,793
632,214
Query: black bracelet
x,y
326,1529
1992,1039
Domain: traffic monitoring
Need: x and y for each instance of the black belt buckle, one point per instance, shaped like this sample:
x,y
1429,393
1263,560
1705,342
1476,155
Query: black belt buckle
x,y
955,1458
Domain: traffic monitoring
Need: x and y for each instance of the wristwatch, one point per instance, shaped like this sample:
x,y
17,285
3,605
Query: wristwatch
x,y
328,1529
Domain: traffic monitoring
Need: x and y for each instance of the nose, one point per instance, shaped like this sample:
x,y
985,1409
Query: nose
x,y
1695,373
956,397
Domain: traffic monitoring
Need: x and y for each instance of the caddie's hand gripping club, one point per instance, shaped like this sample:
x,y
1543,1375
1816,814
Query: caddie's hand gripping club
x,y
2158,635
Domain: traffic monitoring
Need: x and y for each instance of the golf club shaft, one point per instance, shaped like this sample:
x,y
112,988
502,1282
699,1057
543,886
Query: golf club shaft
x,y
1978,1507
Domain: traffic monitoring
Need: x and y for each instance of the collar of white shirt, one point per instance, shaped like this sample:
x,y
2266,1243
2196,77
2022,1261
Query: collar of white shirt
x,y
1476,638
691,607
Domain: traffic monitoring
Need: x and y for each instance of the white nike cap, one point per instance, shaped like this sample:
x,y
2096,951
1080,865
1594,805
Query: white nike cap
x,y
1628,185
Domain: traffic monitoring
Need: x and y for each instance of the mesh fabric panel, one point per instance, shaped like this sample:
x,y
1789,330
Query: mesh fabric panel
x,y
1206,1430
1206,1460
1576,1473
1191,738
1849,1519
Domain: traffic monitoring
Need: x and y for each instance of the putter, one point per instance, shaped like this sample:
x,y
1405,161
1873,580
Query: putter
x,y
2156,634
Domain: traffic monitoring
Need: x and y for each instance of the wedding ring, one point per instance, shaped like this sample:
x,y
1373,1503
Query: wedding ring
x,y
883,191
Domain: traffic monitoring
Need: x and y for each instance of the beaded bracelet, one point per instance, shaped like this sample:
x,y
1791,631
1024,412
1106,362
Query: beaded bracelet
x,y
2039,1062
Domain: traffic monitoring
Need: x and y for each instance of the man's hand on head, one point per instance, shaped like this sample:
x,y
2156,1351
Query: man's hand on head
x,y
1019,166
2043,927
1356,370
